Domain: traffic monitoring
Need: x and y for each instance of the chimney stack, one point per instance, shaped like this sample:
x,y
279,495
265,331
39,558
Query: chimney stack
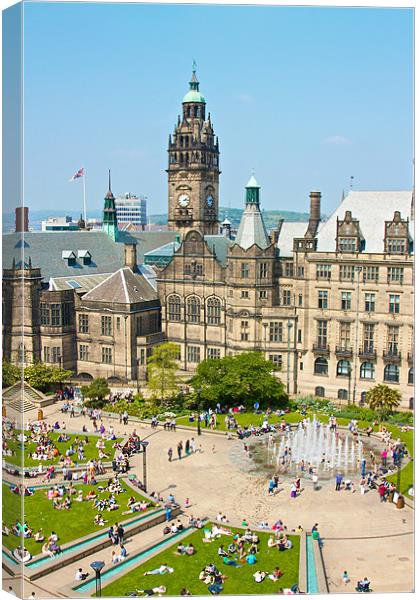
x,y
130,256
314,214
21,219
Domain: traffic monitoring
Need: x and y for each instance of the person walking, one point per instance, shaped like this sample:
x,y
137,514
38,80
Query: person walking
x,y
170,454
338,482
179,450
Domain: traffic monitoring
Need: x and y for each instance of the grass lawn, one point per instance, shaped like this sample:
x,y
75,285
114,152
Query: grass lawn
x,y
187,568
68,524
90,449
246,419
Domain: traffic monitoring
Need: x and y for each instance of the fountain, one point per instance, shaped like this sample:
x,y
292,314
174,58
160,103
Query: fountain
x,y
312,445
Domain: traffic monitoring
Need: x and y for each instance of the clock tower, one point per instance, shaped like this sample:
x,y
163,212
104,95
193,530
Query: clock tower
x,y
193,167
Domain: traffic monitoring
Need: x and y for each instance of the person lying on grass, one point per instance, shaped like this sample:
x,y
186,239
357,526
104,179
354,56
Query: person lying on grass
x,y
152,591
162,570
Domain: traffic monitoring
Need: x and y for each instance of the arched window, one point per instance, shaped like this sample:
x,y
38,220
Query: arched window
x,y
411,404
362,398
392,373
411,375
321,366
320,392
367,370
213,311
193,309
174,308
342,394
195,111
343,368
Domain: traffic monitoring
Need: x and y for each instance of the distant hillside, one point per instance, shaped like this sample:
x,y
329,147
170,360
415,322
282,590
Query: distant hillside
x,y
271,217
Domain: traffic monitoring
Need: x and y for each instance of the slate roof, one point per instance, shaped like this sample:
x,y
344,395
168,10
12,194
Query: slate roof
x,y
79,283
289,231
122,287
371,209
46,248
252,229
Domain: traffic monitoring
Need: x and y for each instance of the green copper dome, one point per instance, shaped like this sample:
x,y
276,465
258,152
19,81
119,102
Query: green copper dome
x,y
194,95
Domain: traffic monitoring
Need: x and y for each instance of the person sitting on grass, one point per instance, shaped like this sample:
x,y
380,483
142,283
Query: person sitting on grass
x,y
276,574
221,551
185,592
251,559
99,520
190,550
259,576
181,549
90,495
162,570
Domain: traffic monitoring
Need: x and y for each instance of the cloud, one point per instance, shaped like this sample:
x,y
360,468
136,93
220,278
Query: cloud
x,y
337,140
245,98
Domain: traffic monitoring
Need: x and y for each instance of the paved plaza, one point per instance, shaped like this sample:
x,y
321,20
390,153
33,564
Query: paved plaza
x,y
360,534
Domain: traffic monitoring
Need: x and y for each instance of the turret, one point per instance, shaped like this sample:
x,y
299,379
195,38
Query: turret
x,y
109,222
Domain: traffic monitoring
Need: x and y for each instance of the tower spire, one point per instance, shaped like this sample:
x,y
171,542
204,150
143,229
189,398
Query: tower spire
x,y
109,180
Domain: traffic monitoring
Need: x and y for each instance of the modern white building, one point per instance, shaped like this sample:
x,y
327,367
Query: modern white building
x,y
131,210
65,223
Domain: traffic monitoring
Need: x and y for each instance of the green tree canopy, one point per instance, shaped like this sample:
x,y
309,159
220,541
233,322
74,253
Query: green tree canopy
x,y
383,399
10,374
161,370
96,392
41,376
242,379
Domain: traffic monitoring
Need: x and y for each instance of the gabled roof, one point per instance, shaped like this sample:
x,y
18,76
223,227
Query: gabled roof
x,y
122,287
252,229
371,209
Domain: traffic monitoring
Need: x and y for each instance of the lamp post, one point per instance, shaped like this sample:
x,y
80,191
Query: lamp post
x,y
199,411
97,566
289,327
349,390
144,445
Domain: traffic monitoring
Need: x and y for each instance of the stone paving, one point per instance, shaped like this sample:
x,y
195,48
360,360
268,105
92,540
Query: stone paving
x,y
360,534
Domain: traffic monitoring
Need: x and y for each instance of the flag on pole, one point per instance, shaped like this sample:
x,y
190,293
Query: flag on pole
x,y
79,173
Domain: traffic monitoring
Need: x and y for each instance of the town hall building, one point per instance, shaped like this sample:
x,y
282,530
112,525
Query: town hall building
x,y
330,303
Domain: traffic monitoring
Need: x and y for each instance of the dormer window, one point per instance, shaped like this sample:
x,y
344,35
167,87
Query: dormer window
x,y
397,235
396,246
349,236
85,256
346,244
69,256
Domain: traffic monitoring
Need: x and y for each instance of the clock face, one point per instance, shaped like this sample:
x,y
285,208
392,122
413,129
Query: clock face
x,y
183,200
209,200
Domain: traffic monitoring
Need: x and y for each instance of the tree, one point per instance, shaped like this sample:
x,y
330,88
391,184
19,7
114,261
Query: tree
x,y
161,370
41,376
10,374
383,399
96,392
242,379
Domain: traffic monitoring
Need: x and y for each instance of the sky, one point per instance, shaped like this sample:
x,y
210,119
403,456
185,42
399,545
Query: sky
x,y
306,97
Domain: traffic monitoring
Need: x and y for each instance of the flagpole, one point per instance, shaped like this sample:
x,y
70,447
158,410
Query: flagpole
x,y
84,198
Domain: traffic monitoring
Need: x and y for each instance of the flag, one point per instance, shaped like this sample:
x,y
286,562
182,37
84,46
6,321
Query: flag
x,y
79,173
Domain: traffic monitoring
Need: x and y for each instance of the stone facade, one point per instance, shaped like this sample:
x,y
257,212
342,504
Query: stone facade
x,y
329,303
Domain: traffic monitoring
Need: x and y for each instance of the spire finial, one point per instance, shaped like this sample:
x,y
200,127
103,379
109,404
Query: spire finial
x,y
194,65
109,180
